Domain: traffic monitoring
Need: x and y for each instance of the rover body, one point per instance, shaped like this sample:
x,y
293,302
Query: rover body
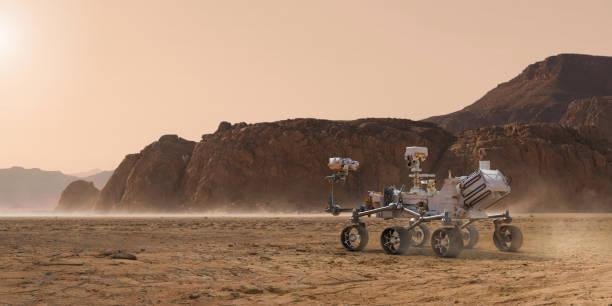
x,y
456,205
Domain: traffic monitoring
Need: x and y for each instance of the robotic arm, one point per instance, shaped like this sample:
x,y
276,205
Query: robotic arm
x,y
341,167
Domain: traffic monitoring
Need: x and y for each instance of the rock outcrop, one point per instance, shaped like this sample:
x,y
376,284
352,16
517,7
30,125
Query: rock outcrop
x,y
114,189
540,94
551,166
79,196
280,166
591,115
149,180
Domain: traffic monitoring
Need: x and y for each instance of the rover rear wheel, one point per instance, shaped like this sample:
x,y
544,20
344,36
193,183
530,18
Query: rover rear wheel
x,y
447,242
419,235
395,240
508,238
470,236
354,237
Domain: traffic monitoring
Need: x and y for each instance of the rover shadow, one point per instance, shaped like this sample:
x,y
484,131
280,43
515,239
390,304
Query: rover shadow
x,y
479,254
467,254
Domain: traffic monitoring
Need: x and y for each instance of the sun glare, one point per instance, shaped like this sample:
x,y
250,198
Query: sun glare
x,y
3,39
7,38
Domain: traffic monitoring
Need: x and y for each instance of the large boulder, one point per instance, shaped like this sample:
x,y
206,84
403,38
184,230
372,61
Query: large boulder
x,y
79,196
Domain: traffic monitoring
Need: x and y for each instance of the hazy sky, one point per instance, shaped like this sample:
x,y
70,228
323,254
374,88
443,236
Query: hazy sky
x,y
84,82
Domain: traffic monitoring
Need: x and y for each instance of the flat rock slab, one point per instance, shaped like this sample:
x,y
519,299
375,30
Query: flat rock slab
x,y
117,254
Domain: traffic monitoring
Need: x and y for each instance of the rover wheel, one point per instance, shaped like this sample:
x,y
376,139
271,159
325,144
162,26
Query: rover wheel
x,y
470,236
447,242
419,235
395,240
354,237
508,238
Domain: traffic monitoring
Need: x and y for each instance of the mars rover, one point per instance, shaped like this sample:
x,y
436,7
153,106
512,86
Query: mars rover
x,y
460,202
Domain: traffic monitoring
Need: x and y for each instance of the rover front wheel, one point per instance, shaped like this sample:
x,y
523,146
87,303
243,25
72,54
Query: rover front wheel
x,y
354,237
508,238
395,240
419,235
447,242
470,236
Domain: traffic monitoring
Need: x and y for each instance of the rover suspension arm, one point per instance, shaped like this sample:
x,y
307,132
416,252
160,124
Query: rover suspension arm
x,y
358,214
420,218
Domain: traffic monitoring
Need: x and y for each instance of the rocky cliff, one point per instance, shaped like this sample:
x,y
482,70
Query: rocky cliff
x,y
540,94
551,166
78,196
265,165
149,180
590,115
282,164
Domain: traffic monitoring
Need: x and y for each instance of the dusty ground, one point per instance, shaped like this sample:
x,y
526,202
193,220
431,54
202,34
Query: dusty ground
x,y
57,261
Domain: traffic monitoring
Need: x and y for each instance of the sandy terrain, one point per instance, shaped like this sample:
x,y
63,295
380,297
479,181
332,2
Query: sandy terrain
x,y
56,261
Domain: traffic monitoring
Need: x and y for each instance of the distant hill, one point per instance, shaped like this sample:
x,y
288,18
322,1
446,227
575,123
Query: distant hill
x,y
540,94
86,173
99,179
35,189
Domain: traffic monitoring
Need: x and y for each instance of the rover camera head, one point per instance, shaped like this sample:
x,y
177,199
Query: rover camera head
x,y
343,164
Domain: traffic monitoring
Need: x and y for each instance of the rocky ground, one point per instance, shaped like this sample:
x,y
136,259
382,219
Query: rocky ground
x,y
275,260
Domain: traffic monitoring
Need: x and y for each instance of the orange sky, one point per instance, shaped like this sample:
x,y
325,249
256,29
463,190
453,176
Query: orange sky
x,y
84,82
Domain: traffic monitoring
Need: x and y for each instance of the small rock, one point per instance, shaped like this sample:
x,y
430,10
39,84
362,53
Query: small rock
x,y
122,255
273,289
194,296
252,290
106,253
